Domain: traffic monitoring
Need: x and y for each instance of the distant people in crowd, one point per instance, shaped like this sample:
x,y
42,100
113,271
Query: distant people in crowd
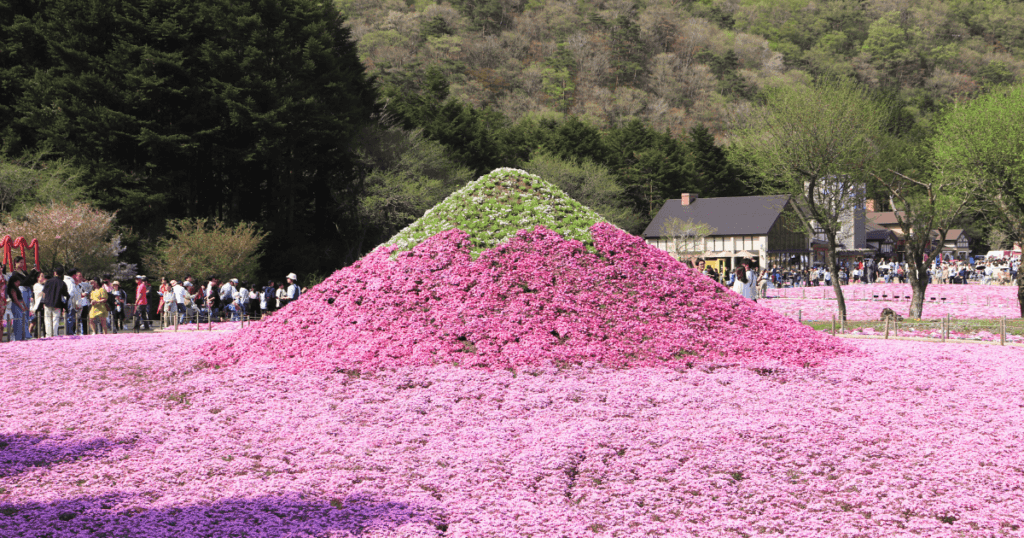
x,y
35,304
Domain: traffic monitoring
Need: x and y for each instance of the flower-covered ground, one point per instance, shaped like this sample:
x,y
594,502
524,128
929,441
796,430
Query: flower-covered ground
x,y
865,302
537,299
131,435
951,295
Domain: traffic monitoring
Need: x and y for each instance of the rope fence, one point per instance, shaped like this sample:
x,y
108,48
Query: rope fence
x,y
867,292
1001,330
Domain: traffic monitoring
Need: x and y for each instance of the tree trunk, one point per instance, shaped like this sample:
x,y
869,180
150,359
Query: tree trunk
x,y
1020,290
833,268
918,284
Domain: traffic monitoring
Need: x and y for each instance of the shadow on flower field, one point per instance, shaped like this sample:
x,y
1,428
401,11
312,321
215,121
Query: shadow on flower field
x,y
21,452
119,514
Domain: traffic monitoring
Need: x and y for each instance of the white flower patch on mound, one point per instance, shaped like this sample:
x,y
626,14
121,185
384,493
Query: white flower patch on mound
x,y
494,207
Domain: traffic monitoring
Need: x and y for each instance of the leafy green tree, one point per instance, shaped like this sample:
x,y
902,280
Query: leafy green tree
x,y
818,144
927,206
405,175
996,74
590,184
489,15
726,68
435,26
686,238
558,78
205,248
575,139
34,180
983,141
892,44
712,172
629,59
651,167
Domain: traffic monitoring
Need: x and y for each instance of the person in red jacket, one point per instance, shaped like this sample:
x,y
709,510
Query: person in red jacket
x,y
141,304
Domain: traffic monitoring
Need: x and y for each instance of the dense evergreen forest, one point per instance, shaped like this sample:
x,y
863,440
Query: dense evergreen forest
x,y
334,126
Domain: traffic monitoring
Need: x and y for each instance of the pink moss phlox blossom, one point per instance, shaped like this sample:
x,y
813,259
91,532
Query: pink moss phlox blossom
x,y
537,299
132,435
865,302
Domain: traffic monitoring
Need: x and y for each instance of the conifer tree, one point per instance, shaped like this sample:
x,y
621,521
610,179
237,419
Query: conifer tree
x,y
183,108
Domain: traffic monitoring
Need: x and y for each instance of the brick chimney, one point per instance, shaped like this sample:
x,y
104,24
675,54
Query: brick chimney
x,y
689,198
870,206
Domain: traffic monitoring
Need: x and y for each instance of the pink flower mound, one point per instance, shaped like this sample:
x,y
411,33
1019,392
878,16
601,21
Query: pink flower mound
x,y
536,300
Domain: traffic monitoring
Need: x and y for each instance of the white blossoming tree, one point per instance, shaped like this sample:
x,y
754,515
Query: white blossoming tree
x,y
75,235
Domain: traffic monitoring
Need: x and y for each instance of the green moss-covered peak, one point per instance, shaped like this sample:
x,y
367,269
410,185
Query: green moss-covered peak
x,y
494,207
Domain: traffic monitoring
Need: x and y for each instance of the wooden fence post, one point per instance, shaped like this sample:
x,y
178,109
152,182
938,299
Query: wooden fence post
x,y
1002,331
886,328
833,324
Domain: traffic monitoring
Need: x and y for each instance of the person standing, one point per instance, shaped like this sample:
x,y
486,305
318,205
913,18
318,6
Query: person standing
x,y
141,302
85,288
161,306
227,297
739,280
19,309
3,298
98,308
750,282
37,327
242,298
762,285
281,296
117,321
293,287
55,300
213,298
267,297
71,314
179,293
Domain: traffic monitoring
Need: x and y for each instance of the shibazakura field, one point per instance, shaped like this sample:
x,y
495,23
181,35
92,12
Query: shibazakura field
x,y
130,435
511,380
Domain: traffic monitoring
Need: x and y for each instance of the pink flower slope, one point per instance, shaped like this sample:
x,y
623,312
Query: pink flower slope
x,y
537,300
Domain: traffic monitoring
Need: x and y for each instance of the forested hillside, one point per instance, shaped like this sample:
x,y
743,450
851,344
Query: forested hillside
x,y
674,64
334,125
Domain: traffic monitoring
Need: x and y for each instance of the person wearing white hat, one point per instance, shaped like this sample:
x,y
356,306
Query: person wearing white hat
x,y
293,290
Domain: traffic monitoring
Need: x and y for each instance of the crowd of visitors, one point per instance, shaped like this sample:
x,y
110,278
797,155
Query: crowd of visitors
x,y
37,304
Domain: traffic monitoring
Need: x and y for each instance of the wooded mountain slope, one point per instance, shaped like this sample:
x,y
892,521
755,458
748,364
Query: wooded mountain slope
x,y
674,64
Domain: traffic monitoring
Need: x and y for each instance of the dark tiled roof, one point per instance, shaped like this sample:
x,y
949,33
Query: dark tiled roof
x,y
878,235
735,215
876,232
